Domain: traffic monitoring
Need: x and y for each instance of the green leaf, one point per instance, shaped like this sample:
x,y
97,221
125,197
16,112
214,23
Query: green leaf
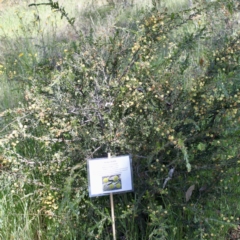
x,y
201,146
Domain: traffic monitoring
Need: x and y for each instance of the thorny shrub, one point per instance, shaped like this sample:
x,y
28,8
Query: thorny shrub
x,y
149,92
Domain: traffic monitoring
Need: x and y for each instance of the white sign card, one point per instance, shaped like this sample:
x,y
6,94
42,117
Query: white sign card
x,y
109,175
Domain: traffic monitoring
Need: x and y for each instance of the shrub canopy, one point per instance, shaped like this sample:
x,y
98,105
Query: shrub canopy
x,y
164,88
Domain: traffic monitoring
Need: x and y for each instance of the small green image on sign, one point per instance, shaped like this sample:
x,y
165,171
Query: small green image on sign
x,y
112,182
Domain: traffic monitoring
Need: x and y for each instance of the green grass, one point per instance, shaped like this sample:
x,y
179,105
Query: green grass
x,y
10,94
18,218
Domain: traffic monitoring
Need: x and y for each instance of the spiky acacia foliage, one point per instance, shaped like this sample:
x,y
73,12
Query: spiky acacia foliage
x,y
167,92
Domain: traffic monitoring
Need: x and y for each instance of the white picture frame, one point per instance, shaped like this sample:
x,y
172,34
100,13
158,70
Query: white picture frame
x,y
109,175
